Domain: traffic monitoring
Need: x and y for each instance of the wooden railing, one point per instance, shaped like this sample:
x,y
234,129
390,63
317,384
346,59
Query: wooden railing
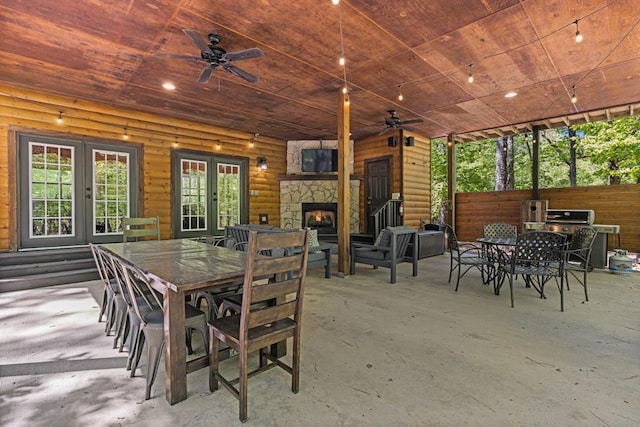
x,y
387,215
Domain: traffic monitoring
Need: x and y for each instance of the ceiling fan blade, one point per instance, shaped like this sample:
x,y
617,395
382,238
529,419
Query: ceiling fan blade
x,y
254,52
197,40
384,130
240,73
205,75
175,56
408,122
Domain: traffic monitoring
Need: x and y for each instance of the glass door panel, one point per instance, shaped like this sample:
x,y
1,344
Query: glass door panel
x,y
211,193
73,192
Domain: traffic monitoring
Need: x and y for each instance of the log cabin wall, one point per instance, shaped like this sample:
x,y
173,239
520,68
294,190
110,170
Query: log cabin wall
x,y
32,112
372,148
612,204
416,181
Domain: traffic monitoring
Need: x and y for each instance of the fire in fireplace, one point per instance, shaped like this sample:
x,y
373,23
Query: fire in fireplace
x,y
320,216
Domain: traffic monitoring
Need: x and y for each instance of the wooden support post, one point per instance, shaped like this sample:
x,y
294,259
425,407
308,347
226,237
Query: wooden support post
x,y
344,184
451,181
535,165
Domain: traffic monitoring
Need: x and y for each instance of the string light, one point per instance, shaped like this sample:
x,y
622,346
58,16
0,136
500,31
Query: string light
x,y
59,117
342,58
218,146
175,142
400,96
470,78
574,98
126,134
579,37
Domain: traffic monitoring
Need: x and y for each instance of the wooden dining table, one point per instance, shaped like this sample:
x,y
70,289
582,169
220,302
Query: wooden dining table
x,y
177,268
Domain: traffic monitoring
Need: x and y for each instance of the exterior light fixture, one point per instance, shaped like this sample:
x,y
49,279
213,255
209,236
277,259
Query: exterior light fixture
x,y
574,98
59,121
579,37
470,78
126,134
400,96
510,94
168,86
262,163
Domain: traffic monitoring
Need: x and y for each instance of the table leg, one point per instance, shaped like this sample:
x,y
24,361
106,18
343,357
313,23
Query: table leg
x,y
175,357
327,268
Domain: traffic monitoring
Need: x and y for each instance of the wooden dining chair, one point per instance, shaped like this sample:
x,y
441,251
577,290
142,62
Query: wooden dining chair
x,y
136,228
257,326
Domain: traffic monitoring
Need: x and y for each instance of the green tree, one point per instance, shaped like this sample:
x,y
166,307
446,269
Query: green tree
x,y
614,147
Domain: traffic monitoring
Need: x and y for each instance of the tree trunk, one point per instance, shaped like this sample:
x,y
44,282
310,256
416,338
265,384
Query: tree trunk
x,y
501,163
504,163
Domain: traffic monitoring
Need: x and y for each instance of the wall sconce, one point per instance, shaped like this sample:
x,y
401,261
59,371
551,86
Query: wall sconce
x,y
262,163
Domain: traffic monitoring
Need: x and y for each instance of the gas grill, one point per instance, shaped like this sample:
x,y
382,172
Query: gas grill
x,y
566,221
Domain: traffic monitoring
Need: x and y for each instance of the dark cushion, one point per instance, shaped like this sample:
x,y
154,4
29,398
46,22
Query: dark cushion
x,y
384,238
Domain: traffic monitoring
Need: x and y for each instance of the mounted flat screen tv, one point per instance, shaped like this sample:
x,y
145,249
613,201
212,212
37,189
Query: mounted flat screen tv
x,y
319,160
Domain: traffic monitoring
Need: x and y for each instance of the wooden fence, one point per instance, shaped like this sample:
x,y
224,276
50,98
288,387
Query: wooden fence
x,y
612,204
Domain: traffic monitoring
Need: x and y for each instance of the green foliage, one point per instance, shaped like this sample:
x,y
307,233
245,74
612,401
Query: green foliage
x,y
606,153
614,147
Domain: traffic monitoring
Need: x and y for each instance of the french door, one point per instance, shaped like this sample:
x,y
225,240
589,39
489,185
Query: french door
x,y
73,192
210,192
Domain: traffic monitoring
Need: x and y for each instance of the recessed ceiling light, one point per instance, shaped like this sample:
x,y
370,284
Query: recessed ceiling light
x,y
168,86
510,94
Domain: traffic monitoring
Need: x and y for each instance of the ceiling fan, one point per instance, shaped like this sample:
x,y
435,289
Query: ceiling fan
x,y
394,122
216,56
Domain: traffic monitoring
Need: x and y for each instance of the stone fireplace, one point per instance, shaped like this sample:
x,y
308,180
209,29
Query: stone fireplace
x,y
320,216
297,189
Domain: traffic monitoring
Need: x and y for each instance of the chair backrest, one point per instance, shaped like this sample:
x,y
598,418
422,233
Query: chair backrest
x,y
134,228
499,230
537,247
452,239
285,287
581,245
136,289
103,264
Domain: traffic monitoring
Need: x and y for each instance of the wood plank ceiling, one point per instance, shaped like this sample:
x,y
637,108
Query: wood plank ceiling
x,y
104,52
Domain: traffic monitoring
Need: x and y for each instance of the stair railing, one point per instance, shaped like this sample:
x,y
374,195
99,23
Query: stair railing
x,y
387,215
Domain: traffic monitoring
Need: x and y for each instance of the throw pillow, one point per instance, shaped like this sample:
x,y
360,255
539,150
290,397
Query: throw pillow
x,y
383,239
314,243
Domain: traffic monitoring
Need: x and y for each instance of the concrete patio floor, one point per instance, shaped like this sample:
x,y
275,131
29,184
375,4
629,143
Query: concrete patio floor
x,y
373,354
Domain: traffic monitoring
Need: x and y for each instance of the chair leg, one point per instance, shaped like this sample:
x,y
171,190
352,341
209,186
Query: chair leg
x,y
584,284
103,306
138,354
213,362
242,396
511,289
154,349
561,292
450,269
393,273
295,361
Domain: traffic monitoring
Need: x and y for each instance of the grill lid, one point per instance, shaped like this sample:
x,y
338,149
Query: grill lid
x,y
571,216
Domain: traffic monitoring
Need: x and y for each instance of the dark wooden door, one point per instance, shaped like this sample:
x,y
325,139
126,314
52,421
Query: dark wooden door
x,y
378,178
